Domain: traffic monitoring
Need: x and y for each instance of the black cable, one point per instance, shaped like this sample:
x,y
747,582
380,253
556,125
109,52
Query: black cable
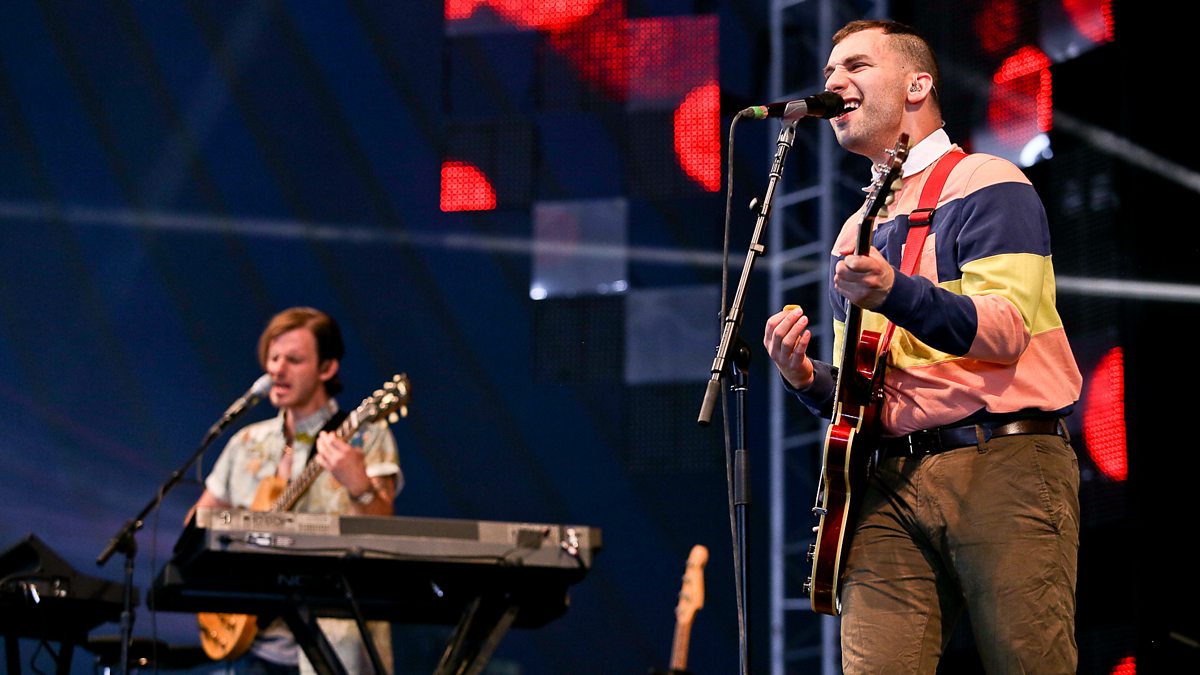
x,y
729,478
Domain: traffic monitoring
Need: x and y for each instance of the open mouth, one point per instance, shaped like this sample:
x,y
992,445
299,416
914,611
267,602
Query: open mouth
x,y
849,107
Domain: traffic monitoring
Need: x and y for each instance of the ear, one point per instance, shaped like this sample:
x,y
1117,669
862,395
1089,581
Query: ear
x,y
328,369
918,87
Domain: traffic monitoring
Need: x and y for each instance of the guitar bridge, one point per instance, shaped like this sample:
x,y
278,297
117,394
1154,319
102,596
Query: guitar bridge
x,y
807,588
819,511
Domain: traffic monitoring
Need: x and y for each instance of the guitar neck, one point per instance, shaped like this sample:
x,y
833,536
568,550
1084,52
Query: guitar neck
x,y
312,470
853,324
853,329
848,386
862,246
680,645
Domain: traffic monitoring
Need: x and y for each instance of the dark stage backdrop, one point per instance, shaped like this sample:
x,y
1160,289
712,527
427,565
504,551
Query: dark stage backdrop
x,y
172,174
523,211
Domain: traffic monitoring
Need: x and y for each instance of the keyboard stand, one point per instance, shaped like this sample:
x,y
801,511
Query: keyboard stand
x,y
483,624
310,637
312,640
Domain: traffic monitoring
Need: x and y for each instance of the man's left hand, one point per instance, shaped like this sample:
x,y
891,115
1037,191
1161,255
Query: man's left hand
x,y
864,280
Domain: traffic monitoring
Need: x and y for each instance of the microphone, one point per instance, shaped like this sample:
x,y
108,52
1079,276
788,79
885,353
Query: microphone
x,y
825,105
247,400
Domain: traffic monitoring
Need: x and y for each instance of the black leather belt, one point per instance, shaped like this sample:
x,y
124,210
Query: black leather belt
x,y
933,441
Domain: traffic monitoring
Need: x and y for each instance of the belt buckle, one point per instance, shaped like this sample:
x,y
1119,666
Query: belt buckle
x,y
916,444
920,442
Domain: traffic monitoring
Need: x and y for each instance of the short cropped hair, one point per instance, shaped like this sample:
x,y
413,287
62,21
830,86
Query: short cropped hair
x,y
908,42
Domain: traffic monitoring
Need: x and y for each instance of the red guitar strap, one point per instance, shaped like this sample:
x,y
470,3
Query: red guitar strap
x,y
918,223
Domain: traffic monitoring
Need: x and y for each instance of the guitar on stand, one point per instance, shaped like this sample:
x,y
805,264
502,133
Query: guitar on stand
x,y
228,636
691,599
854,425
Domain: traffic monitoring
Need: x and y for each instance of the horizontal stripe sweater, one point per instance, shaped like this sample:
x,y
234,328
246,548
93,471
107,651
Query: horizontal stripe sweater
x,y
978,336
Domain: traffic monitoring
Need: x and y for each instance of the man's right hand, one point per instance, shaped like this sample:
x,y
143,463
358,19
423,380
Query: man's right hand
x,y
786,339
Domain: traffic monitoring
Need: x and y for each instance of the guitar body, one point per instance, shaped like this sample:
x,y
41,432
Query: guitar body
x,y
268,492
854,427
228,636
848,444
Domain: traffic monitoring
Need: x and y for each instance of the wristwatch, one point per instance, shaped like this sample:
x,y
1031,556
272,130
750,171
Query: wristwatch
x,y
366,497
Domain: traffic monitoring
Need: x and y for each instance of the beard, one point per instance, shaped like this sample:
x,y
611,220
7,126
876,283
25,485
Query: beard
x,y
872,128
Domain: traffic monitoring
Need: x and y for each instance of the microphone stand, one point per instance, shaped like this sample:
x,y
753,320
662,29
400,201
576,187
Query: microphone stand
x,y
125,543
730,340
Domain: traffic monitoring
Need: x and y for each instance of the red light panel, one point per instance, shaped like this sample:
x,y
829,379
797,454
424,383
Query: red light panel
x,y
1092,18
669,57
1104,416
656,63
998,26
1021,104
465,188
698,136
532,14
1127,666
598,48
673,66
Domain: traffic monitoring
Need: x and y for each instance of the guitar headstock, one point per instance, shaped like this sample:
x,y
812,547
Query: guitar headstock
x,y
887,178
691,593
390,401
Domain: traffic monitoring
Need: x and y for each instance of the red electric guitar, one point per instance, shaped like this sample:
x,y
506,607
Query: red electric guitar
x,y
854,424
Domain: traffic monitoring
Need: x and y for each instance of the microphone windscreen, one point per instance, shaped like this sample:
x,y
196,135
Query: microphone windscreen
x,y
826,105
261,386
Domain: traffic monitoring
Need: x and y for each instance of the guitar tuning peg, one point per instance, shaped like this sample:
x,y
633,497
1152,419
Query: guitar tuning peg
x,y
890,199
393,418
883,212
897,184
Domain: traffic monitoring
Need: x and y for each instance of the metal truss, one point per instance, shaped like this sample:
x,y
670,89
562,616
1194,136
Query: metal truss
x,y
820,186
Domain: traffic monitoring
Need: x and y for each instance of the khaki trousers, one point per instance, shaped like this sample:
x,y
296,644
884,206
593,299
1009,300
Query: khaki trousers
x,y
992,530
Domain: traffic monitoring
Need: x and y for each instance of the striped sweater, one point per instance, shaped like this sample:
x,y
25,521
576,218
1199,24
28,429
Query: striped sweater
x,y
978,336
